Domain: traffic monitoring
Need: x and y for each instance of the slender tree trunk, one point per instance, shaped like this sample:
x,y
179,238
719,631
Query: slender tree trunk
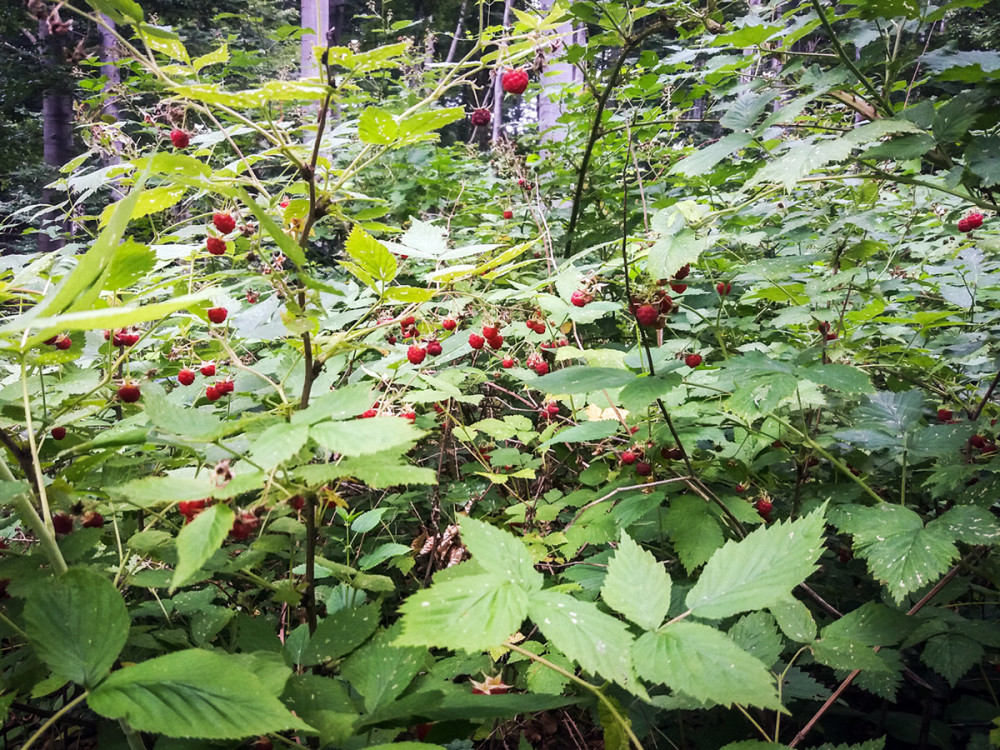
x,y
110,70
316,18
458,32
556,75
57,133
497,86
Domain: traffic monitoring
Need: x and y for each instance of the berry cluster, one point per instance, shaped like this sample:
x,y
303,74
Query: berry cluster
x,y
970,222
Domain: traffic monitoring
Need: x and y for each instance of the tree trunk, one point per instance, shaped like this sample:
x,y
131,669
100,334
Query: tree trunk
x,y
316,17
458,32
556,75
57,135
109,69
497,86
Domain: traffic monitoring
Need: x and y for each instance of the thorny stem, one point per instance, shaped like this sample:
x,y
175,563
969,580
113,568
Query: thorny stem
x,y
586,686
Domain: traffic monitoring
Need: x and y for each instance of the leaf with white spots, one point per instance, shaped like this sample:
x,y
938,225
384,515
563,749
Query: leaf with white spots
x,y
597,642
969,524
471,613
340,633
760,570
500,553
901,552
700,662
380,670
636,585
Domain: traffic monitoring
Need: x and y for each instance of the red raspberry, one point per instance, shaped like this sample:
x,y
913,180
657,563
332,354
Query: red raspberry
x,y
208,369
190,508
410,415
647,315
296,502
212,393
449,324
92,520
978,441
390,339
369,413
490,331
58,433
63,342
252,297
416,354
225,386
179,138
480,117
476,341
628,458
62,523
643,468
495,342
975,220
944,415
215,246
683,272
763,507
244,525
580,298
666,304
128,392
514,81
225,223
408,321
542,368
185,376
678,288
552,408
217,314
831,336
964,225
740,489
507,363
508,214
433,348
723,288
692,360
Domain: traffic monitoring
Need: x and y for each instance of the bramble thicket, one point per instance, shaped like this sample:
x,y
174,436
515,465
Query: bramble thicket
x,y
550,374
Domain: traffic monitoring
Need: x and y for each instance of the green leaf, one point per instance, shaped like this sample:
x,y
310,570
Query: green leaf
x,y
151,201
130,263
702,161
164,41
379,470
179,420
426,122
584,432
871,624
951,655
643,391
278,444
794,619
342,403
378,127
77,623
198,541
900,551
469,613
380,671
969,524
844,653
636,585
672,251
216,57
757,634
699,661
582,379
597,642
192,693
759,570
287,244
340,633
693,530
501,554
119,10
371,255
362,437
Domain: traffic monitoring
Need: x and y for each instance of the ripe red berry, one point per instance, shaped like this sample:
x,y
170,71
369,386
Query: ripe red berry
x,y
225,386
128,392
672,454
208,369
978,441
514,81
179,138
433,348
296,502
416,354
541,368
643,468
62,523
390,339
647,315
763,507
212,393
944,415
723,288
964,225
449,324
823,327
628,457
92,520
58,433
975,220
692,360
740,489
678,288
580,298
831,336
495,342
507,363
552,408
508,214
185,376
408,321
410,415
683,271
217,314
369,413
225,223
262,743
215,246
476,341
666,304
480,117
490,331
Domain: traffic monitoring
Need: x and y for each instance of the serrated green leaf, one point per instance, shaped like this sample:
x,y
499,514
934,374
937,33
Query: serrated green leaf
x,y
380,671
701,662
277,444
500,553
757,634
794,619
951,655
180,420
77,624
636,585
759,570
969,524
471,613
584,432
597,642
378,470
693,530
378,127
192,693
702,161
363,437
340,633
844,653
871,624
371,255
582,379
198,541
